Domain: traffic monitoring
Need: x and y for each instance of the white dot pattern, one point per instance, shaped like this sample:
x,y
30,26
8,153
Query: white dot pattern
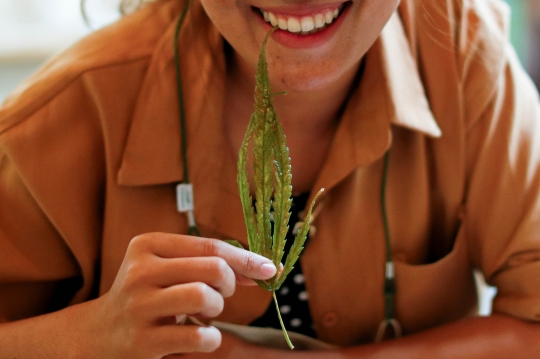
x,y
285,309
296,322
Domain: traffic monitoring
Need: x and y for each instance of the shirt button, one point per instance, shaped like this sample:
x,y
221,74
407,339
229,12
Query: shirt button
x,y
330,319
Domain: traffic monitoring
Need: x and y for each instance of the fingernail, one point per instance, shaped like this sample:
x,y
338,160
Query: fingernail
x,y
211,339
268,269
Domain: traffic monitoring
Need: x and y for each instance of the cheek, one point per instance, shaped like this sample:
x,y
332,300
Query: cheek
x,y
221,13
234,21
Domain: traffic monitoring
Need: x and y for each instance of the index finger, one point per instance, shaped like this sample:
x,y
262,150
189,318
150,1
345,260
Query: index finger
x,y
242,262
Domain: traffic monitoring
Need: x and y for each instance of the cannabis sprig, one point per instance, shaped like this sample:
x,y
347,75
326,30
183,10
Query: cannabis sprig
x,y
273,188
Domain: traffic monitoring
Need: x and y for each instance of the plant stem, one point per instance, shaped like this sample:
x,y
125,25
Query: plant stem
x,y
291,346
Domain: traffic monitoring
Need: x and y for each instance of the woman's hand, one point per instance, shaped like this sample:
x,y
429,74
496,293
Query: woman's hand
x,y
165,275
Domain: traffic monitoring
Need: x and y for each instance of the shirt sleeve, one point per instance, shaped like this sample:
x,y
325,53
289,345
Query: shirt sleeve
x,y
51,200
502,218
35,263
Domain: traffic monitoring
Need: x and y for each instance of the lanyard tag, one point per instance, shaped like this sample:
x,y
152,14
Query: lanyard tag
x,y
184,197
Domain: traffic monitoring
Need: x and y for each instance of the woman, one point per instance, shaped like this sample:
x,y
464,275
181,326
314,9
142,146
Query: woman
x,y
92,152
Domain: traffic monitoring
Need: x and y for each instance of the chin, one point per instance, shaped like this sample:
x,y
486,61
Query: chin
x,y
303,78
301,85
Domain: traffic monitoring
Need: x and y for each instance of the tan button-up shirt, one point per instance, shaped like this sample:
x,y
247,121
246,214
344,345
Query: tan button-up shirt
x,y
90,156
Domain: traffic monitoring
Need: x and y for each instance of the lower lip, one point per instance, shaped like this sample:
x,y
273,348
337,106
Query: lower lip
x,y
296,41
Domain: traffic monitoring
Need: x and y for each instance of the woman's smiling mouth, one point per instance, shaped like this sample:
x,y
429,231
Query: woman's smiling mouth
x,y
304,24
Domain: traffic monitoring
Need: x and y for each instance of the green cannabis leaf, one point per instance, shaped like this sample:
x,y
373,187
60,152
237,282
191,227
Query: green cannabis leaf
x,y
273,189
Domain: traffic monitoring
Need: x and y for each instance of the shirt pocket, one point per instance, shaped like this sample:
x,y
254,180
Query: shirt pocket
x,y
436,293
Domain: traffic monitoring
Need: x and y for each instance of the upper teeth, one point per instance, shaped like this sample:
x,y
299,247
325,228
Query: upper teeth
x,y
304,24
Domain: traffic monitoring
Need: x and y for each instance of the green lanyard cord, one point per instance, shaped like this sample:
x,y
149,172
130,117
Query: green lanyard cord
x,y
389,281
389,277
193,230
180,93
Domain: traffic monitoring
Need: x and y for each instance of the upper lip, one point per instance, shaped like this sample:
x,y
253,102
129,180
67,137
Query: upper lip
x,y
302,9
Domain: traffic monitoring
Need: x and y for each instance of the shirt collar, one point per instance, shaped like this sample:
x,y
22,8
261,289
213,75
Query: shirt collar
x,y
390,92
408,101
152,153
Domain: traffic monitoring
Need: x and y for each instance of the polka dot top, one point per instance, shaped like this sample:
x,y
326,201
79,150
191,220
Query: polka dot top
x,y
292,296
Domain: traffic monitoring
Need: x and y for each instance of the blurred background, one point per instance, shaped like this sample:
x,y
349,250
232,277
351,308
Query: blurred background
x,y
33,30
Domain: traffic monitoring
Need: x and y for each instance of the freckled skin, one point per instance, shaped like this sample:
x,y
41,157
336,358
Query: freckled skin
x,y
304,69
